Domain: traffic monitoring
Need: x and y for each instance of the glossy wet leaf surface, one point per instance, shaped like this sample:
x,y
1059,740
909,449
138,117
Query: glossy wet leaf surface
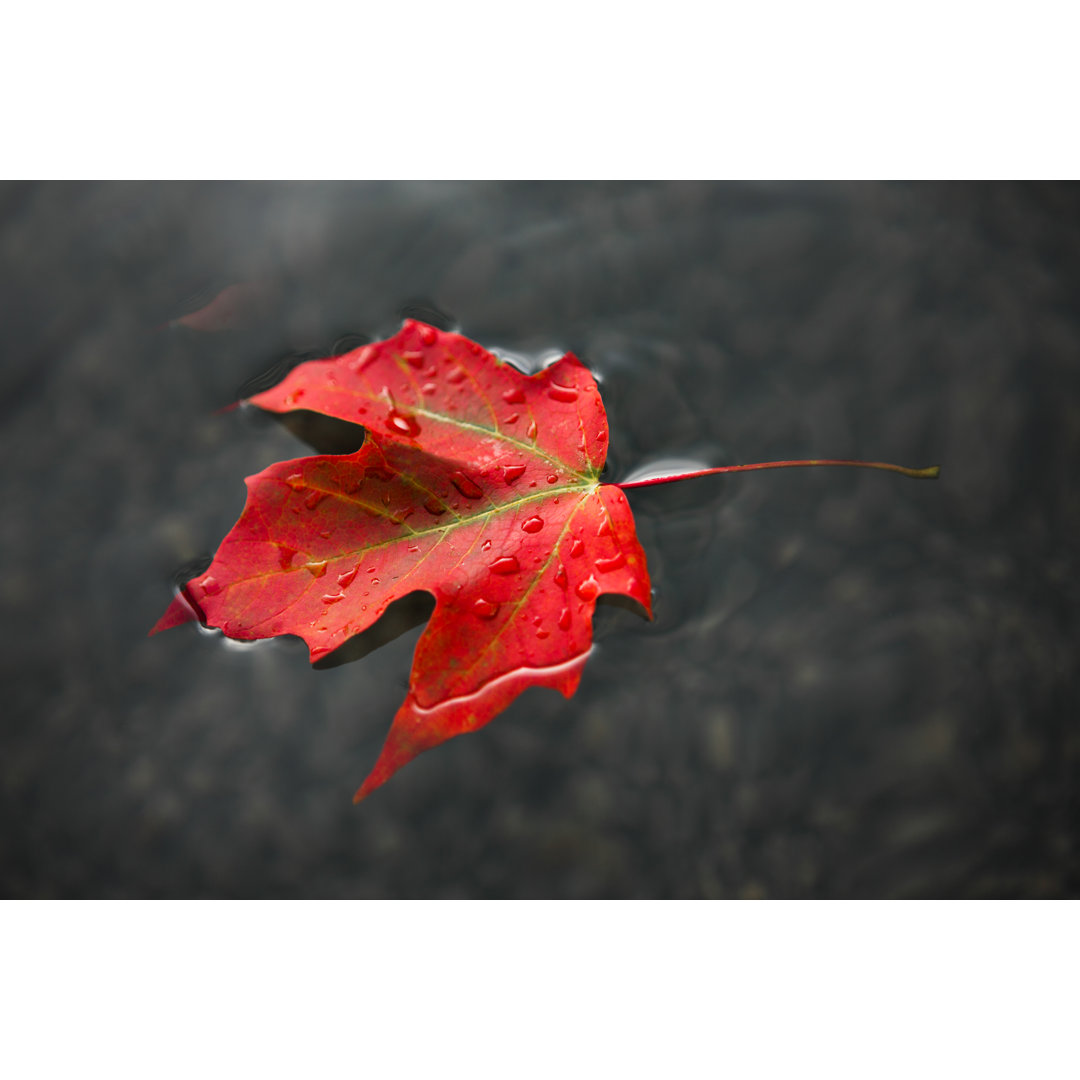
x,y
476,483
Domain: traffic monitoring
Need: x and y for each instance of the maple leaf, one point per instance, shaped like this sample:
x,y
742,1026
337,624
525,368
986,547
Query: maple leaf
x,y
476,483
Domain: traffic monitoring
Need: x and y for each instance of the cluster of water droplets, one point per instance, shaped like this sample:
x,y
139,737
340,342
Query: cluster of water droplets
x,y
586,590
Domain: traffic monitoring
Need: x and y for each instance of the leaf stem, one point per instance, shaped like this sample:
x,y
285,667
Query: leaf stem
x,y
929,473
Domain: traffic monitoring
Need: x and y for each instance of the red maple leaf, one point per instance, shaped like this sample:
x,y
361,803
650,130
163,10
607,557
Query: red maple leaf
x,y
476,483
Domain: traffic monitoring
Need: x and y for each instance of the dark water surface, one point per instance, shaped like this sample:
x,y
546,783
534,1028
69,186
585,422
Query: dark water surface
x,y
856,685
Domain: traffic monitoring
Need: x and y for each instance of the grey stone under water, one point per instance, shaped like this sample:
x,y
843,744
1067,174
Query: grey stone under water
x,y
856,685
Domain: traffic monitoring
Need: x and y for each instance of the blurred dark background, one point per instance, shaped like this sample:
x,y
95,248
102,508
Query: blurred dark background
x,y
856,685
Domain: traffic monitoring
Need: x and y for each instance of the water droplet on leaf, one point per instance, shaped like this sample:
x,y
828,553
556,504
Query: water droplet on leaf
x,y
210,586
405,425
362,357
577,548
505,564
562,393
333,598
605,566
316,569
434,506
588,589
560,576
513,472
465,485
533,524
428,334
295,480
413,358
514,396
346,579
531,433
485,608
564,619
